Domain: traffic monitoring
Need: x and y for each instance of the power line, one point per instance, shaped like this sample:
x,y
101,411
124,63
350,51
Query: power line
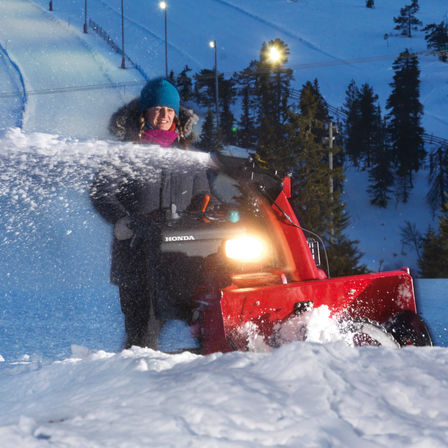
x,y
211,75
339,62
66,89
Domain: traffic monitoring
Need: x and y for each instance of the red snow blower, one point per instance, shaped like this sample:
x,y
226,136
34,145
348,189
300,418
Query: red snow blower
x,y
259,272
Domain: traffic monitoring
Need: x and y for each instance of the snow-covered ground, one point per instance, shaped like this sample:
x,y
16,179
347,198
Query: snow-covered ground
x,y
60,86
309,395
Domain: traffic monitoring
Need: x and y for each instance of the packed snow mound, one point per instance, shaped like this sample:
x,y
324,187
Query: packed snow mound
x,y
302,394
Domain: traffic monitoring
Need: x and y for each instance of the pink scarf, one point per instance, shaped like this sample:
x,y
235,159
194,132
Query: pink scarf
x,y
159,137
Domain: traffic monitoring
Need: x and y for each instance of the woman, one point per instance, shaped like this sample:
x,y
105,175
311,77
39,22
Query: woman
x,y
135,121
134,202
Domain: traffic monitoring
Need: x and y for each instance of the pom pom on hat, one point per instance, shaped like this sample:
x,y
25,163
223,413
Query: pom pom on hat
x,y
159,93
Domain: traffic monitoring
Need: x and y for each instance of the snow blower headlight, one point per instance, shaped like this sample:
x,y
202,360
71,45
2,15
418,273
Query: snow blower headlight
x,y
246,249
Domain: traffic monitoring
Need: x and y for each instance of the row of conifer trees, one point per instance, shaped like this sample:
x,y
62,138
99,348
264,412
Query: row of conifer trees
x,y
289,131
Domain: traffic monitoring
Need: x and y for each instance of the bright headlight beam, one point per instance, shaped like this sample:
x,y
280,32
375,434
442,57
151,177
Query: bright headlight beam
x,y
245,248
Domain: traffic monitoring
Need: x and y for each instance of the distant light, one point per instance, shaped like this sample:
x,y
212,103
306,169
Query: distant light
x,y
274,54
212,44
162,5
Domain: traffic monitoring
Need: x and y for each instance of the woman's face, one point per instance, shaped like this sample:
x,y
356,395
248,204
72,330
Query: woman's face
x,y
160,117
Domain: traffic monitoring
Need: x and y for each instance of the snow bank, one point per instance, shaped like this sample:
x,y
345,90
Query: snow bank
x,y
303,394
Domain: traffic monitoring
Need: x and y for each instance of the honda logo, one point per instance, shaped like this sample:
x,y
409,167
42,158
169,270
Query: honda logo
x,y
170,239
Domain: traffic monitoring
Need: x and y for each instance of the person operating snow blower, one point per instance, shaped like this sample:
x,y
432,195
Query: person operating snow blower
x,y
133,203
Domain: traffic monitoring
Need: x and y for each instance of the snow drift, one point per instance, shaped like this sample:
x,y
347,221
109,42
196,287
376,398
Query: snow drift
x,y
303,394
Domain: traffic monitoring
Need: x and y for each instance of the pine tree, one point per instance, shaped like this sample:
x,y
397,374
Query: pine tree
x,y
353,131
381,176
204,88
226,99
434,260
205,93
209,139
273,89
437,38
185,84
245,80
406,21
369,122
361,124
404,118
431,264
264,89
311,173
344,257
438,178
411,237
318,209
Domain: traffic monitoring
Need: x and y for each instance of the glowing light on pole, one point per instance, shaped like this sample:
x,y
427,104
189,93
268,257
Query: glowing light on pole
x,y
85,17
164,7
212,44
123,64
276,57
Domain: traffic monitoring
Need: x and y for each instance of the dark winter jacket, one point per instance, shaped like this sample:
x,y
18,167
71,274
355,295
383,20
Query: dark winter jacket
x,y
144,189
141,192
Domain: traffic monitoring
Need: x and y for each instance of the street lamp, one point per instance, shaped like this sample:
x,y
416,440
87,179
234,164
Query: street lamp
x,y
85,17
50,6
276,56
163,6
213,45
123,64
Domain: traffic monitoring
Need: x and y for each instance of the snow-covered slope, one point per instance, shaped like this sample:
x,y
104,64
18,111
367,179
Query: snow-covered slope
x,y
308,395
63,84
333,41
70,76
55,250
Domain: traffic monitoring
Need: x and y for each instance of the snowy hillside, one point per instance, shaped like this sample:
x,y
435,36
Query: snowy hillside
x,y
58,87
334,42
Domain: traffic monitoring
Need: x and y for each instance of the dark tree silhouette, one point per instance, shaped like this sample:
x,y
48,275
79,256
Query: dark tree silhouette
x,y
438,179
209,140
434,260
185,84
381,175
319,209
404,118
406,22
437,38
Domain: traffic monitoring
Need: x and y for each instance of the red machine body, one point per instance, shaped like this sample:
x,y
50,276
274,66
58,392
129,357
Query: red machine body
x,y
267,298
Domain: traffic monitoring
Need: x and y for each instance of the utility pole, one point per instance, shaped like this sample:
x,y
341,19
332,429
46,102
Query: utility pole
x,y
331,128
164,6
213,45
85,17
166,45
330,158
123,63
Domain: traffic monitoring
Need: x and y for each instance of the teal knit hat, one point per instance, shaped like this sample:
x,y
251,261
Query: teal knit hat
x,y
159,92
